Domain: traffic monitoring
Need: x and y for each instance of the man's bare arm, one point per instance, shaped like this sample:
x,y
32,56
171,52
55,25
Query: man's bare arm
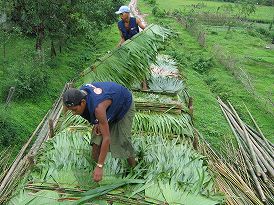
x,y
140,24
122,39
101,115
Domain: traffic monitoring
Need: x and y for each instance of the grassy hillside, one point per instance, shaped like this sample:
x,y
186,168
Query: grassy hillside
x,y
22,116
208,76
246,47
263,13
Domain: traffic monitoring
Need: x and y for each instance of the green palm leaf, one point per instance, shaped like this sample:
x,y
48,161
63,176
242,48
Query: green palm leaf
x,y
129,63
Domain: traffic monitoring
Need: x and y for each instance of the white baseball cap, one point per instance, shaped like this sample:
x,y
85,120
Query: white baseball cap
x,y
123,9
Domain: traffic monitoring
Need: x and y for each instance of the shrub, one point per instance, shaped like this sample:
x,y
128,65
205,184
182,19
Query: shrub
x,y
151,2
210,80
28,81
52,63
79,61
9,131
202,65
157,12
263,31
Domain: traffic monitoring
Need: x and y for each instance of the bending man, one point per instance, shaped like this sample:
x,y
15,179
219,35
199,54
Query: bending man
x,y
110,108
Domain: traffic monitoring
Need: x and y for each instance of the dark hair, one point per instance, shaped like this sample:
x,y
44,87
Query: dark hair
x,y
73,97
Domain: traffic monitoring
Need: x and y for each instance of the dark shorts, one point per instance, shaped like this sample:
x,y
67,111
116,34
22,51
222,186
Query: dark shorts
x,y
120,136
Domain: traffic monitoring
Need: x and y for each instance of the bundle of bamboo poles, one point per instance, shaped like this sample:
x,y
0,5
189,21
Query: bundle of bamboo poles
x,y
256,151
229,180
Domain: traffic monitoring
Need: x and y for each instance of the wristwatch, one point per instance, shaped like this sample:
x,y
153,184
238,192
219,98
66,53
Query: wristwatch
x,y
99,165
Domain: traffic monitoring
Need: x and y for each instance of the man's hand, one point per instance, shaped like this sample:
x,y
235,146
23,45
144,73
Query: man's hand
x,y
97,174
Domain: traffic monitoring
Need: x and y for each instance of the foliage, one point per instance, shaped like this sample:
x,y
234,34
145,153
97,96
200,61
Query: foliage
x,y
9,130
157,12
128,64
261,2
202,65
28,81
168,84
245,7
151,2
62,19
165,124
176,182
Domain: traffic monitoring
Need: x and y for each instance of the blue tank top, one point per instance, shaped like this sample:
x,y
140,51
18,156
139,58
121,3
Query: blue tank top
x,y
98,92
133,28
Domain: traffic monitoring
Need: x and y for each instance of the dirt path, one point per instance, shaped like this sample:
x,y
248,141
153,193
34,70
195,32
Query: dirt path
x,y
134,10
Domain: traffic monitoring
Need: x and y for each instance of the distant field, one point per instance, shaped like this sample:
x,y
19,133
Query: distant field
x,y
265,13
249,51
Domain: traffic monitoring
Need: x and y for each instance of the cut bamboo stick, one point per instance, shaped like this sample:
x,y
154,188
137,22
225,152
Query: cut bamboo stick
x,y
261,143
249,143
258,128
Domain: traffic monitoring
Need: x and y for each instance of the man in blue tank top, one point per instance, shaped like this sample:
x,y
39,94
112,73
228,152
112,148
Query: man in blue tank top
x,y
110,108
128,26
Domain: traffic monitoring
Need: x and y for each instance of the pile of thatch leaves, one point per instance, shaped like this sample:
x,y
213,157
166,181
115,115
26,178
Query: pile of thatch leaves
x,y
169,170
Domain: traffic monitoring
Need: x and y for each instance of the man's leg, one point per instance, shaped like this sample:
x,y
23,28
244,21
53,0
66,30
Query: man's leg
x,y
96,151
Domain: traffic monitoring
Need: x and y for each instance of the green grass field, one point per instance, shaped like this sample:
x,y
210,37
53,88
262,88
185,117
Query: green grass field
x,y
78,54
249,53
265,13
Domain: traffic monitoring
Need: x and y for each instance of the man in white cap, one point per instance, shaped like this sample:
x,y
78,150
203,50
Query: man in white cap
x,y
128,26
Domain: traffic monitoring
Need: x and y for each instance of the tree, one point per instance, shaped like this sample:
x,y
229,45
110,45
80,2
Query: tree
x,y
246,7
60,19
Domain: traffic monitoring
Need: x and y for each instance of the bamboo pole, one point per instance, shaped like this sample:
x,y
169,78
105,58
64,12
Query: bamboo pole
x,y
261,143
249,129
261,164
264,154
249,143
264,176
258,186
241,133
256,181
257,151
258,128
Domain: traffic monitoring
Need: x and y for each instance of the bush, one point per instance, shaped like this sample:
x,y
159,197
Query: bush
x,y
263,31
9,131
202,65
151,2
78,62
157,12
28,81
52,63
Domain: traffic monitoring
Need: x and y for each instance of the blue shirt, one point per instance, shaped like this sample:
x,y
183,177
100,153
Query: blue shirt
x,y
98,92
133,28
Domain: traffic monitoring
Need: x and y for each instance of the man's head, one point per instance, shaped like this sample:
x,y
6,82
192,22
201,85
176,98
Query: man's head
x,y
123,12
75,100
